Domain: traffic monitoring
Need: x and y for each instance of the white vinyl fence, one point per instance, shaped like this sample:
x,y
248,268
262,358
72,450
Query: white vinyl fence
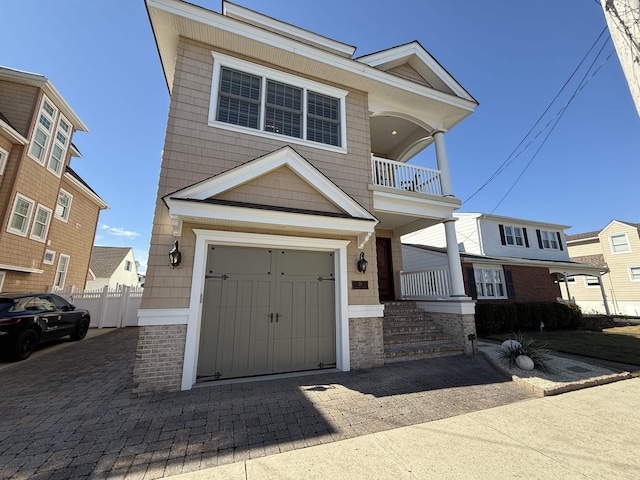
x,y
108,308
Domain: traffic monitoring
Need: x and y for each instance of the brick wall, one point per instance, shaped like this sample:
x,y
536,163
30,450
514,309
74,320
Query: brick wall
x,y
159,359
366,343
457,325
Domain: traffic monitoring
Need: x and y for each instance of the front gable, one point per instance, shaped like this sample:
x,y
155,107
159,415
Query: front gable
x,y
278,190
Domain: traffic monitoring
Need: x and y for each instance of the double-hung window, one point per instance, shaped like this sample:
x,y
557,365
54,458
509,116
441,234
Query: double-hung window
x,y
41,221
61,270
20,215
489,282
4,156
43,131
275,103
634,274
513,235
619,243
63,205
549,239
60,145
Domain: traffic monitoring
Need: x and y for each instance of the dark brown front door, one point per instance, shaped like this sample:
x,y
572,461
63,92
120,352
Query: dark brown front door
x,y
385,269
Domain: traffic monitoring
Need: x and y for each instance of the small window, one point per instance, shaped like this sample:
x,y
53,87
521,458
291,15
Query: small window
x,y
590,281
4,156
61,271
20,215
549,240
489,282
43,131
49,257
41,221
619,243
634,274
127,265
513,236
63,205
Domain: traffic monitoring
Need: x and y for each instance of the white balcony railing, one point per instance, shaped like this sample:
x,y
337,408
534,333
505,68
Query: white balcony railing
x,y
389,173
425,284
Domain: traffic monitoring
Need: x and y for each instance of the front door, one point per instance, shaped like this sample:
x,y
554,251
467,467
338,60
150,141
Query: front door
x,y
385,269
266,311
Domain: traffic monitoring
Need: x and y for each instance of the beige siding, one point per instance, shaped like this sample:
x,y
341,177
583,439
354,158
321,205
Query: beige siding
x,y
18,104
619,263
408,72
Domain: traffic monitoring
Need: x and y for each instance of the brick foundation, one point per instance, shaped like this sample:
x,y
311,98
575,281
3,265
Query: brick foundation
x,y
159,359
366,346
460,326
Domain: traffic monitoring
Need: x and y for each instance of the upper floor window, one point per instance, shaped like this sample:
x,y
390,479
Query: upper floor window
x,y
63,206
274,103
43,130
591,281
549,239
60,145
619,243
4,156
49,257
513,236
41,221
127,265
634,274
489,282
20,215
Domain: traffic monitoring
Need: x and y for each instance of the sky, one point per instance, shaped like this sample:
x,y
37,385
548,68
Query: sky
x,y
578,167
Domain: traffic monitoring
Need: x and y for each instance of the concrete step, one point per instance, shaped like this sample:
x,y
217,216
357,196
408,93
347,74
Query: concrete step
x,y
410,327
418,351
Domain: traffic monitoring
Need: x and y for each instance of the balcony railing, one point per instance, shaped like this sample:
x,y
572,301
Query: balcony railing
x,y
425,284
389,173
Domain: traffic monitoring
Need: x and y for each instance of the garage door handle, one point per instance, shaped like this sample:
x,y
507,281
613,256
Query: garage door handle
x,y
271,317
277,316
223,277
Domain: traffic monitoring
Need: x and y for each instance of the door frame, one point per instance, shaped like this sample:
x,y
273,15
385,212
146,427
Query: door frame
x,y
204,238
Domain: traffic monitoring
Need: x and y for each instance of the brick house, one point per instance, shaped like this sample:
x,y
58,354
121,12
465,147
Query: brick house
x,y
49,214
284,169
503,258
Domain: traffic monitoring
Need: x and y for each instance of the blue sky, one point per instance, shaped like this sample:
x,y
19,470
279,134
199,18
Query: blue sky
x,y
512,56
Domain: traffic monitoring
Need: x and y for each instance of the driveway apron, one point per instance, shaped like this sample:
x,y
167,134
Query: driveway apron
x,y
70,413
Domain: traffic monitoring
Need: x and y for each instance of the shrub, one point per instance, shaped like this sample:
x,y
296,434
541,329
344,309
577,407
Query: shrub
x,y
525,316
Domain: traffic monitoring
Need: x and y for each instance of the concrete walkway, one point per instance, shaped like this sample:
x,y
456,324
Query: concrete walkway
x,y
586,434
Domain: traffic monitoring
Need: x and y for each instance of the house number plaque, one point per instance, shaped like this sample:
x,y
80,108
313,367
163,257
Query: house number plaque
x,y
360,285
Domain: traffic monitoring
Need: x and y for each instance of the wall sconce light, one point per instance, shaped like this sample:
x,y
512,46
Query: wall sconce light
x,y
175,256
362,263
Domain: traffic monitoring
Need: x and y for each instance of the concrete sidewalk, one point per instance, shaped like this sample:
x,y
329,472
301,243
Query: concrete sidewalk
x,y
590,433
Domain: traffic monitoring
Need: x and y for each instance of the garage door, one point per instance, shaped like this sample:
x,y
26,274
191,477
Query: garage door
x,y
266,311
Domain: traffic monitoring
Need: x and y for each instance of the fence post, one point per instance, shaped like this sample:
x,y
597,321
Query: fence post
x,y
122,306
103,305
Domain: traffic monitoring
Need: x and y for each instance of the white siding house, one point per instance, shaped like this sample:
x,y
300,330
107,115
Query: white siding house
x,y
114,267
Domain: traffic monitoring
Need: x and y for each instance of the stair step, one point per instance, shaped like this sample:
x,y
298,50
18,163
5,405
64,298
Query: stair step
x,y
415,327
397,353
410,339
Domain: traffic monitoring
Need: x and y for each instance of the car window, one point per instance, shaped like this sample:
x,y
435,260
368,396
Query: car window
x,y
21,304
33,304
6,304
59,301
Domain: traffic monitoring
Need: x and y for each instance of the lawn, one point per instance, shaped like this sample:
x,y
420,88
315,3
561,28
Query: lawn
x,y
619,344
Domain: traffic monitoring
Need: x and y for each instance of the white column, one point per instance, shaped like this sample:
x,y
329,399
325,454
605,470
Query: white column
x,y
453,257
443,163
604,296
566,284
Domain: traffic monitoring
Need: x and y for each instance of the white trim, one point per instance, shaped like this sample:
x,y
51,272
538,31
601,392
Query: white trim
x,y
4,157
27,220
53,258
65,271
366,311
586,281
45,232
64,218
480,268
463,306
12,133
2,277
221,60
633,267
20,269
162,316
626,237
50,133
83,188
206,237
63,146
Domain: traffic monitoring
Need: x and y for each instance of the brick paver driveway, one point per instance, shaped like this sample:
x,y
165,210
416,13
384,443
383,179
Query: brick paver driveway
x,y
70,413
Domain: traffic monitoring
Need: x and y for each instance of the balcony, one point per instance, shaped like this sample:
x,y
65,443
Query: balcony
x,y
408,197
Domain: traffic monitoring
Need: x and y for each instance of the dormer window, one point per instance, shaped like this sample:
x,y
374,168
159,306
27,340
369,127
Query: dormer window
x,y
249,96
513,236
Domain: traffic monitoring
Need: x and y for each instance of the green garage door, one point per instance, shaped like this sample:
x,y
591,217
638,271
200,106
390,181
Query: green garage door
x,y
266,311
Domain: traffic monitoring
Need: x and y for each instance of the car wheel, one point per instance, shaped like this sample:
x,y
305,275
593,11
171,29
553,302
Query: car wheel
x,y
81,330
25,345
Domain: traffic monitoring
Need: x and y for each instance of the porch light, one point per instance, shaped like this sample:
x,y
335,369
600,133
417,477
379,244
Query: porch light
x,y
175,256
393,132
362,263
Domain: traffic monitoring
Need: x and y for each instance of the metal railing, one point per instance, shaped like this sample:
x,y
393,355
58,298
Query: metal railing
x,y
389,173
425,284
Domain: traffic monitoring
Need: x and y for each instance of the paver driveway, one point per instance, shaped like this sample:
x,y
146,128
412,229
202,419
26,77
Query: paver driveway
x,y
70,413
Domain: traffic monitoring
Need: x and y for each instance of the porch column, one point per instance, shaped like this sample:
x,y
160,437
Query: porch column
x,y
566,284
453,257
604,296
443,163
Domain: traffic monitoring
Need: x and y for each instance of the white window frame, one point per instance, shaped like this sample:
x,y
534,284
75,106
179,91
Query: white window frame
x,y
632,275
27,221
52,253
220,61
493,286
514,236
45,230
587,278
64,217
3,275
626,240
551,239
4,157
63,146
39,127
61,275
129,264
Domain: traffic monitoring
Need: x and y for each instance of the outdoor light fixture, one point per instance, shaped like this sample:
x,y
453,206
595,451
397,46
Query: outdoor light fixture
x,y
175,257
362,263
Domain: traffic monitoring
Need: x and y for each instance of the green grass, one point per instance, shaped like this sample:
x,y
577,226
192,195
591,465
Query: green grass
x,y
619,344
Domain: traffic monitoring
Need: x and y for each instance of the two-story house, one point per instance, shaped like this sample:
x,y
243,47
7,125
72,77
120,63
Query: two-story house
x,y
503,259
285,188
48,214
616,247
113,267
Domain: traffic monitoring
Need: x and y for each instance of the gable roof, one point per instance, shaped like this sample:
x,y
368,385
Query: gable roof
x,y
594,234
105,260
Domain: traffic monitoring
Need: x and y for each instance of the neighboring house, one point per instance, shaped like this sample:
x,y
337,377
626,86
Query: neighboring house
x,y
503,258
284,167
114,267
48,213
616,246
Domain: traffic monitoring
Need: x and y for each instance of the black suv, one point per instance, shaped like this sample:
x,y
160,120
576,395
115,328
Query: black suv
x,y
29,319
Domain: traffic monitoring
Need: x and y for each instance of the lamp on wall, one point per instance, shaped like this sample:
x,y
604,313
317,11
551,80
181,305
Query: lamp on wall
x,y
175,256
362,263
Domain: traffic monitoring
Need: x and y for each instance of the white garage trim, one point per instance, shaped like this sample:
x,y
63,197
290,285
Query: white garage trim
x,y
242,239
